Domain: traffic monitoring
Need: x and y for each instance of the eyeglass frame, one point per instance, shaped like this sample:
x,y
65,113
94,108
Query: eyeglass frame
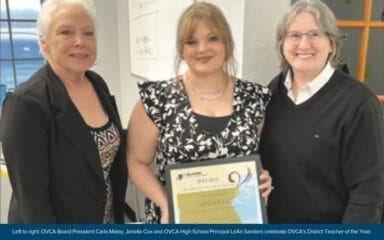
x,y
312,35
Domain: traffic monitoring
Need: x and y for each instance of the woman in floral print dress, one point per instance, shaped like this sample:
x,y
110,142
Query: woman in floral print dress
x,y
205,113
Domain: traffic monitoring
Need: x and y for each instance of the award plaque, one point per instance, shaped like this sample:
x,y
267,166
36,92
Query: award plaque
x,y
216,191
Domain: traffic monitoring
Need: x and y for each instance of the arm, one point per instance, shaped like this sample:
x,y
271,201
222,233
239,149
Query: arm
x,y
26,150
362,164
142,142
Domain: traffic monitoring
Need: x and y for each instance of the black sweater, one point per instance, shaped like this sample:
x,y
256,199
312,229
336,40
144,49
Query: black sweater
x,y
325,155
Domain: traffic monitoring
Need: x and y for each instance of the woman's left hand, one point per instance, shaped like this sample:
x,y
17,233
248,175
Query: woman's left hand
x,y
266,185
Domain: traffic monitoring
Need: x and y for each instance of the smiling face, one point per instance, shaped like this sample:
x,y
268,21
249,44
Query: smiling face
x,y
70,44
307,54
204,52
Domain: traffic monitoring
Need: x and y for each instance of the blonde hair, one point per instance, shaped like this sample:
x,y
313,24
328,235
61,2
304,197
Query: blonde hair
x,y
215,18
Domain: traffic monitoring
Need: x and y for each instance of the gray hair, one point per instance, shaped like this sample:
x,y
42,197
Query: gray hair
x,y
324,18
49,7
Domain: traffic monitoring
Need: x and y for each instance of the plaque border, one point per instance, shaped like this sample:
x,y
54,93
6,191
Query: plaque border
x,y
210,162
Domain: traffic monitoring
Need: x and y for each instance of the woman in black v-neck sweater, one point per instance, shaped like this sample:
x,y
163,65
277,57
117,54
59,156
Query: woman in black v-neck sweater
x,y
325,154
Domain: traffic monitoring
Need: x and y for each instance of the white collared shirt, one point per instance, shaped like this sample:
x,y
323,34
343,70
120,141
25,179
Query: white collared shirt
x,y
309,89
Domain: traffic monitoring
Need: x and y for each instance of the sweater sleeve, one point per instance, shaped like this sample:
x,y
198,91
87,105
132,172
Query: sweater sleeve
x,y
363,163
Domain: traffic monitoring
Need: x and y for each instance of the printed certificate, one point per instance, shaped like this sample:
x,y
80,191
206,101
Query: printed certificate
x,y
216,191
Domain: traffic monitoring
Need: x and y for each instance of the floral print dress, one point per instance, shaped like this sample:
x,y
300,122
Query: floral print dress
x,y
181,139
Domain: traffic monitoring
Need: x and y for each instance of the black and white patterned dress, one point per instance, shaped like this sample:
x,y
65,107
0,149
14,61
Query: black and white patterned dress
x,y
181,138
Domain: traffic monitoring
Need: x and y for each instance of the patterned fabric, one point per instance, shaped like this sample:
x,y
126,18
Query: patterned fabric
x,y
107,140
181,139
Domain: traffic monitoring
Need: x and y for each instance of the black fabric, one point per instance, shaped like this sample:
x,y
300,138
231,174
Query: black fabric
x,y
212,125
57,177
325,155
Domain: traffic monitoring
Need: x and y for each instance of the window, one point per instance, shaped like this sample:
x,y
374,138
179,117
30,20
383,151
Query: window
x,y
362,26
20,56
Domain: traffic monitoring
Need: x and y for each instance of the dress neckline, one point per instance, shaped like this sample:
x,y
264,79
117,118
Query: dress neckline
x,y
191,113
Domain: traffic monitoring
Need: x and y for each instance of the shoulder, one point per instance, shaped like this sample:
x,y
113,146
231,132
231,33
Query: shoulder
x,y
158,89
274,83
254,98
97,79
34,84
157,85
250,86
29,101
352,89
253,90
157,96
33,90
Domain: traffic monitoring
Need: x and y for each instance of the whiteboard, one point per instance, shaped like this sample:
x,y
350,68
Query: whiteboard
x,y
152,30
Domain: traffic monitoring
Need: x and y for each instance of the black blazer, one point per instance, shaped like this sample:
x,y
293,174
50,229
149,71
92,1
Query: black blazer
x,y
52,160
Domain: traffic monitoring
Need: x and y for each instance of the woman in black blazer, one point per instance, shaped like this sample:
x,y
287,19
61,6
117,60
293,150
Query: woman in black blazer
x,y
61,134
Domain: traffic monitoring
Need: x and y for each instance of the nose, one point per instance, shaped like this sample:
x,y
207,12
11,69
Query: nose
x,y
304,41
202,47
79,40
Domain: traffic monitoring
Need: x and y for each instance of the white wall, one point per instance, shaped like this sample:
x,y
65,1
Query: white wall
x,y
113,54
261,61
129,94
107,63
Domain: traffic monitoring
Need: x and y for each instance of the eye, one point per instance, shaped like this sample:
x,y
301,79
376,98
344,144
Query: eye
x,y
213,38
66,32
314,34
294,35
89,33
191,41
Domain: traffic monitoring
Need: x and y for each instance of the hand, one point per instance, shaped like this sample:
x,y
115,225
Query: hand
x,y
164,215
266,185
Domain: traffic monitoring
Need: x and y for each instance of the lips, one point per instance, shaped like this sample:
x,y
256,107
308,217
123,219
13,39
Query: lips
x,y
79,55
304,55
204,59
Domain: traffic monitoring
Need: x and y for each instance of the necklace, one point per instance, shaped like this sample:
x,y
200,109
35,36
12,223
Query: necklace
x,y
202,95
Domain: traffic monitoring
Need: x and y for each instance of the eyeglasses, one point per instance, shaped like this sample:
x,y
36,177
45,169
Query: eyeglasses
x,y
312,36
